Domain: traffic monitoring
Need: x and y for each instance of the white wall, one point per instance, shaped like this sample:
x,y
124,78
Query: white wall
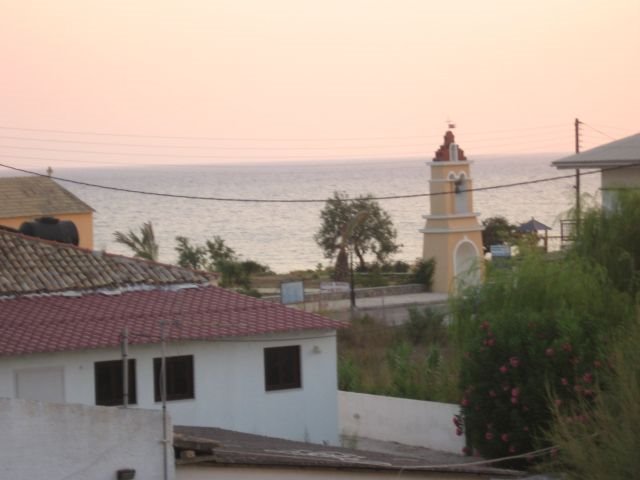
x,y
204,472
44,441
229,384
411,422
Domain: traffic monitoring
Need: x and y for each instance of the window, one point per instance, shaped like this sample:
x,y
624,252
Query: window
x,y
179,377
108,378
282,368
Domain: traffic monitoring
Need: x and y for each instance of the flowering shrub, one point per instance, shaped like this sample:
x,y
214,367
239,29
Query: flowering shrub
x,y
529,334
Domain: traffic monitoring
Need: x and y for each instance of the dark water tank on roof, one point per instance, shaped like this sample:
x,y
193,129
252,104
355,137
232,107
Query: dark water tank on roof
x,y
50,228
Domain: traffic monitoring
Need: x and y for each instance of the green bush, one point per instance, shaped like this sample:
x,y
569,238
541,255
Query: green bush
x,y
539,328
425,326
612,239
601,440
423,272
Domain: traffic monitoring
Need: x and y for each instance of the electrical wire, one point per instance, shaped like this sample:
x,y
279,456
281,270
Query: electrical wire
x,y
598,131
308,200
236,147
265,139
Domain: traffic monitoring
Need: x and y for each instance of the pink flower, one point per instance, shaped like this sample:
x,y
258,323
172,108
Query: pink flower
x,y
456,421
512,449
558,402
466,450
515,392
587,377
504,369
491,342
549,352
458,431
465,402
514,362
588,392
564,381
504,437
514,400
484,325
488,436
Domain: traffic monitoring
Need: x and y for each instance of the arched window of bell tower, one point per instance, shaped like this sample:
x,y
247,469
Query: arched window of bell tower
x,y
462,194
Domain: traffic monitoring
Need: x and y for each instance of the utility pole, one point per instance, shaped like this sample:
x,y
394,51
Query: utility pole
x,y
352,288
125,367
577,139
163,397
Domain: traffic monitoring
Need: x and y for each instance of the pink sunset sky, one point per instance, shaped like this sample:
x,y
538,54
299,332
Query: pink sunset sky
x,y
269,80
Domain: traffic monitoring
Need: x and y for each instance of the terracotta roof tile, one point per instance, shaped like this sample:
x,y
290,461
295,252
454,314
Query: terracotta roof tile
x,y
31,265
60,323
37,196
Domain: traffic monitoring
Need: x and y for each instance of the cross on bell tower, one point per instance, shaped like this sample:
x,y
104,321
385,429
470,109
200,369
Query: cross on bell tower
x,y
452,233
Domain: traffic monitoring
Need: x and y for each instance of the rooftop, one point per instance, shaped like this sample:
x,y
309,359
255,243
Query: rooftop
x,y
219,447
37,197
623,152
53,323
31,265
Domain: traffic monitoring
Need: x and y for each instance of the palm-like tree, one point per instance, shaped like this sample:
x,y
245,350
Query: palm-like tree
x,y
144,245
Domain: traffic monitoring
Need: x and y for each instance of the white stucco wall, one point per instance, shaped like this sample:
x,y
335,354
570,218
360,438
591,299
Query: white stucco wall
x,y
411,422
229,384
44,441
207,472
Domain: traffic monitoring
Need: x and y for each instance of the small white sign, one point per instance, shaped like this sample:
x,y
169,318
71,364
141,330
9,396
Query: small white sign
x,y
501,251
292,292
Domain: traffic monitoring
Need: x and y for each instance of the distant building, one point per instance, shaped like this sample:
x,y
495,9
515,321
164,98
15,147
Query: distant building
x,y
452,234
619,161
23,199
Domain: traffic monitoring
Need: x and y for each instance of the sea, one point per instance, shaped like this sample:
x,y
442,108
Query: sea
x,y
281,234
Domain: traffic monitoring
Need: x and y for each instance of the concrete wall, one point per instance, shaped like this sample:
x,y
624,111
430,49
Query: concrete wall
x,y
411,422
229,384
204,472
43,441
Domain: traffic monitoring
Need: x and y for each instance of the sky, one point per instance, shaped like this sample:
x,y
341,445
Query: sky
x,y
208,81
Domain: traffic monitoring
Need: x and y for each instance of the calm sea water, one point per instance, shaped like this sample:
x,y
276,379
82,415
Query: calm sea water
x,y
281,235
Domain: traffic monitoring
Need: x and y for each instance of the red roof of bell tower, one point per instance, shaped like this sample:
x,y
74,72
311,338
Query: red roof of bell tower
x,y
443,153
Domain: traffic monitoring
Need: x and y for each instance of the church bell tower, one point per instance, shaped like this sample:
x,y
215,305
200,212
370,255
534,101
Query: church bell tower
x,y
452,234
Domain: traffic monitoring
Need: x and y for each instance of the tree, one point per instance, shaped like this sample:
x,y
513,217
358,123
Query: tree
x,y
144,245
610,238
497,231
359,224
217,256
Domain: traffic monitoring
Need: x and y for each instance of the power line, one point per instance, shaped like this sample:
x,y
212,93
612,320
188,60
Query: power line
x,y
599,131
265,139
178,137
194,147
284,200
161,155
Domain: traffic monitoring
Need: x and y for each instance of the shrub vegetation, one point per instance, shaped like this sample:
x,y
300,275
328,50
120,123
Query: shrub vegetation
x,y
410,361
536,329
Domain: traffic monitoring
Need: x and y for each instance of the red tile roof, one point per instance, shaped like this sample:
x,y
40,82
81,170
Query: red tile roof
x,y
60,323
32,265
